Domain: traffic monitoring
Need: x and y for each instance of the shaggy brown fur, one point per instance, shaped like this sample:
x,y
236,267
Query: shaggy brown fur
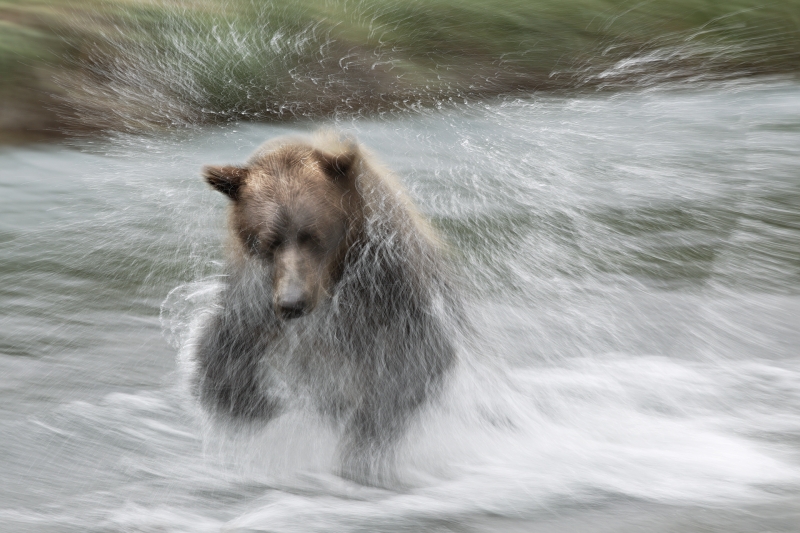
x,y
335,298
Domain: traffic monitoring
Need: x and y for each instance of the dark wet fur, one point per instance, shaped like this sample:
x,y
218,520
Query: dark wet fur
x,y
367,358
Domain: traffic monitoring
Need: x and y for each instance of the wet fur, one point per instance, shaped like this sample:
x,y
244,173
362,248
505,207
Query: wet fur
x,y
379,340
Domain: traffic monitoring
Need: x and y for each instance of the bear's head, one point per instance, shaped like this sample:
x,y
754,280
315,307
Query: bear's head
x,y
295,208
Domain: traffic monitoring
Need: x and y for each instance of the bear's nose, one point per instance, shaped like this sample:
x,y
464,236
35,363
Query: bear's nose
x,y
289,312
292,305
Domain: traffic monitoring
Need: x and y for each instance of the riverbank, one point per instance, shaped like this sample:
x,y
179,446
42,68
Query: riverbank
x,y
90,66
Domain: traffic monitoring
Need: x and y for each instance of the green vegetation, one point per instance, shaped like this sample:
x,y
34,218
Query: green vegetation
x,y
89,65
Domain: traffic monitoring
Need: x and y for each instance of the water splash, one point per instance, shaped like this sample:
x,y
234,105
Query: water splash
x,y
629,261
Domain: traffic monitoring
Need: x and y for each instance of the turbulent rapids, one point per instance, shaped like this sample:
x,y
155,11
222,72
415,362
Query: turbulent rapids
x,y
629,264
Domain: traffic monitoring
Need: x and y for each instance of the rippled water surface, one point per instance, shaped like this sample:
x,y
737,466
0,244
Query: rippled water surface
x,y
631,264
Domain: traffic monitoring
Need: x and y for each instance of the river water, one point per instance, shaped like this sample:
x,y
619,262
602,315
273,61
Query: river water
x,y
631,264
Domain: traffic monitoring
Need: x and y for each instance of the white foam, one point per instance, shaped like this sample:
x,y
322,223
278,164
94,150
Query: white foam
x,y
645,428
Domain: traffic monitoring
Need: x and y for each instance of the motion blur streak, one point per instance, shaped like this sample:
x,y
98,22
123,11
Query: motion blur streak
x,y
631,263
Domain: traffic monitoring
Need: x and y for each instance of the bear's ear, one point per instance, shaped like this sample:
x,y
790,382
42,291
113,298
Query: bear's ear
x,y
226,180
337,166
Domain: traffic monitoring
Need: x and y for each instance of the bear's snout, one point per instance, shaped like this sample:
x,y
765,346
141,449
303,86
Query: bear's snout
x,y
293,284
291,304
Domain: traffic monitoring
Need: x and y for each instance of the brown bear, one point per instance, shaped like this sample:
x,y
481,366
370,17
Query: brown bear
x,y
335,298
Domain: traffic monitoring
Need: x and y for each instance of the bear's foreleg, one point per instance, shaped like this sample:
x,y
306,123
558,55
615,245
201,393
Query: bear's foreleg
x,y
409,375
228,381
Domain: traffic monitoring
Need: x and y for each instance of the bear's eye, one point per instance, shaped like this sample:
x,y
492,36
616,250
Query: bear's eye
x,y
273,244
253,244
305,238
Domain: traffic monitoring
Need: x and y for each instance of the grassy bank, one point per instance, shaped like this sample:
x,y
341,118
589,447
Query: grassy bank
x,y
75,66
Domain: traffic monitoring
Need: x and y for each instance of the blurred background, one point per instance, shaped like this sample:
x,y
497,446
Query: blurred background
x,y
77,66
618,185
